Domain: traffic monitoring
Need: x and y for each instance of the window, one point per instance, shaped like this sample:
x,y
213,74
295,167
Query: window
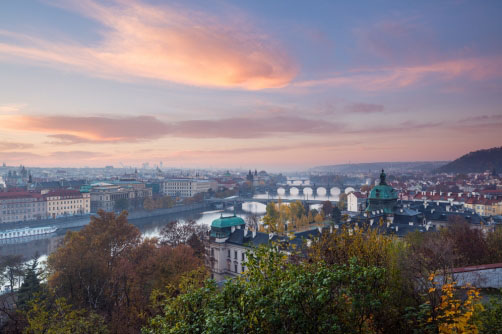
x,y
243,256
235,268
235,255
229,253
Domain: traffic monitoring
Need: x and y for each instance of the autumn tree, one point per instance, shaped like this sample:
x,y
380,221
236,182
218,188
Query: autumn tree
x,y
57,316
342,202
109,269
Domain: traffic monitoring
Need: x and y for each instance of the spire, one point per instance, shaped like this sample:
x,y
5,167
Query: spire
x,y
382,178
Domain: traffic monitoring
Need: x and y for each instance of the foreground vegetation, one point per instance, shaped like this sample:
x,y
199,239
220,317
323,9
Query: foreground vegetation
x,y
107,279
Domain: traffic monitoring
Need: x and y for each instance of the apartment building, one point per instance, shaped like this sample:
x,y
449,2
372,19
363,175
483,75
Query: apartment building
x,y
21,206
104,195
67,202
186,187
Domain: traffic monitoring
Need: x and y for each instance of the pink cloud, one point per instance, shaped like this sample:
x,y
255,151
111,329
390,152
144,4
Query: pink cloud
x,y
9,146
365,108
164,43
99,129
475,69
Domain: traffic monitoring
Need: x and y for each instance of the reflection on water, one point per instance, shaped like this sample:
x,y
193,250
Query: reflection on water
x,y
149,227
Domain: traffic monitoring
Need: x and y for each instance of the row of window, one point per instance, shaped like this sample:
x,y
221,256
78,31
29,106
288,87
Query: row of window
x,y
243,255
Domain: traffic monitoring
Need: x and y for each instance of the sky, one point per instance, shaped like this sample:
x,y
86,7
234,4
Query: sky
x,y
276,85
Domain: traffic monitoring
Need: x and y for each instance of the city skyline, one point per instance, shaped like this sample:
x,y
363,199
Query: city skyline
x,y
274,85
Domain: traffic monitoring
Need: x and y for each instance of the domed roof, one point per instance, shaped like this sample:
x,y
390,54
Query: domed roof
x,y
223,222
383,190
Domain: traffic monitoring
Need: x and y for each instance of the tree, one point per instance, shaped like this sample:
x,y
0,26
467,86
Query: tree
x,y
489,319
336,214
31,285
276,296
271,217
121,204
342,202
109,269
11,269
319,218
149,204
327,208
57,317
180,231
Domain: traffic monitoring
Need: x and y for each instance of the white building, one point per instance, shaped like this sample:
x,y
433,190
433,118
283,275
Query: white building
x,y
66,202
186,187
356,201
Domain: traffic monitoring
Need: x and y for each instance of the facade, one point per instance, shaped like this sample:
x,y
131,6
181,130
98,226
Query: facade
x,y
186,187
356,201
230,241
21,206
104,195
66,202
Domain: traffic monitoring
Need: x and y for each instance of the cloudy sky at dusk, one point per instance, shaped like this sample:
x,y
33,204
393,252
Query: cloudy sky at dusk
x,y
265,84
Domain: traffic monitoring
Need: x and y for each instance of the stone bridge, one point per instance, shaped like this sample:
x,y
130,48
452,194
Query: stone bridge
x,y
237,200
309,190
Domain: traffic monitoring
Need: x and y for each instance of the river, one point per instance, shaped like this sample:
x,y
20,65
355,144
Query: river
x,y
43,245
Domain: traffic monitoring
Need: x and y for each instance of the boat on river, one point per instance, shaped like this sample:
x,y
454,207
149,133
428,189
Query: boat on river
x,y
26,232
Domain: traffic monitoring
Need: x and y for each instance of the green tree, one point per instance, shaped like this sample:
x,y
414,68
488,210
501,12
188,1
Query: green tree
x,y
277,296
490,318
31,285
47,317
121,204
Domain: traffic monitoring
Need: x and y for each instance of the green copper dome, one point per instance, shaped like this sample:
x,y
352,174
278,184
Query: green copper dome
x,y
382,197
223,222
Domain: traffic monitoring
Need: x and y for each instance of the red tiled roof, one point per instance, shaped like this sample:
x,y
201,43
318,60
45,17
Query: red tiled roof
x,y
18,194
474,268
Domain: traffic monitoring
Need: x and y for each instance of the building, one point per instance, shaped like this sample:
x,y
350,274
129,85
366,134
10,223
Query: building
x,y
356,201
66,202
104,195
230,240
186,187
382,197
21,206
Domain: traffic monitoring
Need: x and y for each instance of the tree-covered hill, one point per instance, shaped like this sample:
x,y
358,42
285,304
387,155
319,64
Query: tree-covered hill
x,y
476,162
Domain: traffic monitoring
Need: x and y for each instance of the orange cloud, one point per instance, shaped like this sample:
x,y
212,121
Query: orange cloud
x,y
164,43
401,77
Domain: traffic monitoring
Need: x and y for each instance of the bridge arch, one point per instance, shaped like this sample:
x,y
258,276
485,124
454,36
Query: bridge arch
x,y
321,191
335,191
294,191
308,191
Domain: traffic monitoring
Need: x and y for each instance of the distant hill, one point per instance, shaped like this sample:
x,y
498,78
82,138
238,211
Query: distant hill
x,y
375,167
476,162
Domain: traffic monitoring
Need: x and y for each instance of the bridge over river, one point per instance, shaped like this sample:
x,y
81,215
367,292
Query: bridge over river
x,y
238,200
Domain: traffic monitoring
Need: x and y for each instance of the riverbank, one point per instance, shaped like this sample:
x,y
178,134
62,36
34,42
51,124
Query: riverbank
x,y
82,220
